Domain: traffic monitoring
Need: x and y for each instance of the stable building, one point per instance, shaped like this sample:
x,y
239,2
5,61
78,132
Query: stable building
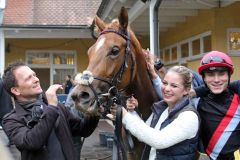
x,y
53,37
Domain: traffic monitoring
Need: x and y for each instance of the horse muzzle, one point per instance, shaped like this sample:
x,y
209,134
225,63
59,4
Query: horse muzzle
x,y
84,99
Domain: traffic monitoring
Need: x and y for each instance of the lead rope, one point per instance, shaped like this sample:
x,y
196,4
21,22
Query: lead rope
x,y
118,140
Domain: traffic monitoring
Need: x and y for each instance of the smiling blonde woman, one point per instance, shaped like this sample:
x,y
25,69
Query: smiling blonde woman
x,y
171,132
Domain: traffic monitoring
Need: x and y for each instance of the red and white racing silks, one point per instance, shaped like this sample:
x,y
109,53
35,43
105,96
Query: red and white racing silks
x,y
224,129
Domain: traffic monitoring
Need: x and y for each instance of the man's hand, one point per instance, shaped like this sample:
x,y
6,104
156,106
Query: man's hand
x,y
52,95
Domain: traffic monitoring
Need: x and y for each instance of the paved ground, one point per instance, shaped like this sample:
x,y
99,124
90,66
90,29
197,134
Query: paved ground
x,y
92,150
12,149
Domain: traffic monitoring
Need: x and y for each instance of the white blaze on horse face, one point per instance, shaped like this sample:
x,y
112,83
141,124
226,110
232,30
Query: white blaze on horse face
x,y
100,43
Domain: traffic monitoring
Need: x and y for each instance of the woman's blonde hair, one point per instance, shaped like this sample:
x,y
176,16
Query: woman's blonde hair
x,y
185,73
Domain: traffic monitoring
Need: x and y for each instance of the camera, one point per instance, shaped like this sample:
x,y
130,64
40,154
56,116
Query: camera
x,y
158,64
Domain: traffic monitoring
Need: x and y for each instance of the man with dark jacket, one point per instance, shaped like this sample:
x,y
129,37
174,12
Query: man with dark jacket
x,y
41,128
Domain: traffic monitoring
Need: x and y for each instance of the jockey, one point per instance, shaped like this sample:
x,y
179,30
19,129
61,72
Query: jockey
x,y
219,107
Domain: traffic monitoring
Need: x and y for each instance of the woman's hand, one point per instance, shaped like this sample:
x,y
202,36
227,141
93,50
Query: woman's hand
x,y
113,111
131,104
150,64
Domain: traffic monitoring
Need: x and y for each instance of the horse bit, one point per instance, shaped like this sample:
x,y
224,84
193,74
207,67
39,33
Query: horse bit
x,y
114,95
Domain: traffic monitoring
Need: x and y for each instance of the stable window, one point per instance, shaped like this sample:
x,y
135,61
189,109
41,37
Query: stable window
x,y
207,44
188,49
196,47
62,58
184,50
38,58
174,53
167,55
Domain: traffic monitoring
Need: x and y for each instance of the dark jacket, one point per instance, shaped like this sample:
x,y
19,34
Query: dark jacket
x,y
5,101
220,114
32,141
185,150
68,86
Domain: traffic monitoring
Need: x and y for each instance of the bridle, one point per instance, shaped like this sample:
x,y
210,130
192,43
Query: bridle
x,y
118,76
116,79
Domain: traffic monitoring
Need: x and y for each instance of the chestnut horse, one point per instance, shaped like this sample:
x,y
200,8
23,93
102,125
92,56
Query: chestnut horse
x,y
117,59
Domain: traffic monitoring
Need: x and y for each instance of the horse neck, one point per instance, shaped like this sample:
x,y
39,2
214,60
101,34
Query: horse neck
x,y
142,88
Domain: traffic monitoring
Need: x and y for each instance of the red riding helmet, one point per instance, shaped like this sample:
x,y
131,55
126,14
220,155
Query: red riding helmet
x,y
215,59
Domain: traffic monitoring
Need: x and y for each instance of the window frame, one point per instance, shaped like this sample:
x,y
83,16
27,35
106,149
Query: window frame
x,y
190,56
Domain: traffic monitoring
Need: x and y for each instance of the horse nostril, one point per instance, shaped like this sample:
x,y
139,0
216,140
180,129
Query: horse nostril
x,y
84,95
74,97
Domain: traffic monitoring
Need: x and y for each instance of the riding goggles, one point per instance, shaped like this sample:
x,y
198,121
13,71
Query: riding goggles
x,y
213,59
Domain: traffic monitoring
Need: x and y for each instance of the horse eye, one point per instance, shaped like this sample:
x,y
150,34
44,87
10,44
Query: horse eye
x,y
114,51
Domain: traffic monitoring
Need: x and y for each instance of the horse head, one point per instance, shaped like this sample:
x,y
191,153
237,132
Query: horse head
x,y
115,60
117,66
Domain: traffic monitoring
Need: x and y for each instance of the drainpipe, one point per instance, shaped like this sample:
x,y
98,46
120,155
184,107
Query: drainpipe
x,y
2,39
154,28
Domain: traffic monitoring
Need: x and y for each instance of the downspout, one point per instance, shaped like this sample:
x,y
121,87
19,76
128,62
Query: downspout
x,y
154,28
2,39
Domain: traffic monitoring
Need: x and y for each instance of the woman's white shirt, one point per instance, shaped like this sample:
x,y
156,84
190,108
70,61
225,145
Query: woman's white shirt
x,y
185,126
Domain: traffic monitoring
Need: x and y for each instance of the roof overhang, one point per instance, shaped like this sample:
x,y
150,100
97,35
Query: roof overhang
x,y
170,12
47,31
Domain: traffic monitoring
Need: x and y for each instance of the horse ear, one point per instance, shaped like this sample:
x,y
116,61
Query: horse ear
x,y
99,23
123,18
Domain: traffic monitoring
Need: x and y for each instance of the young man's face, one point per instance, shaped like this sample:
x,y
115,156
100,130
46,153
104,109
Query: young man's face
x,y
28,87
216,81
